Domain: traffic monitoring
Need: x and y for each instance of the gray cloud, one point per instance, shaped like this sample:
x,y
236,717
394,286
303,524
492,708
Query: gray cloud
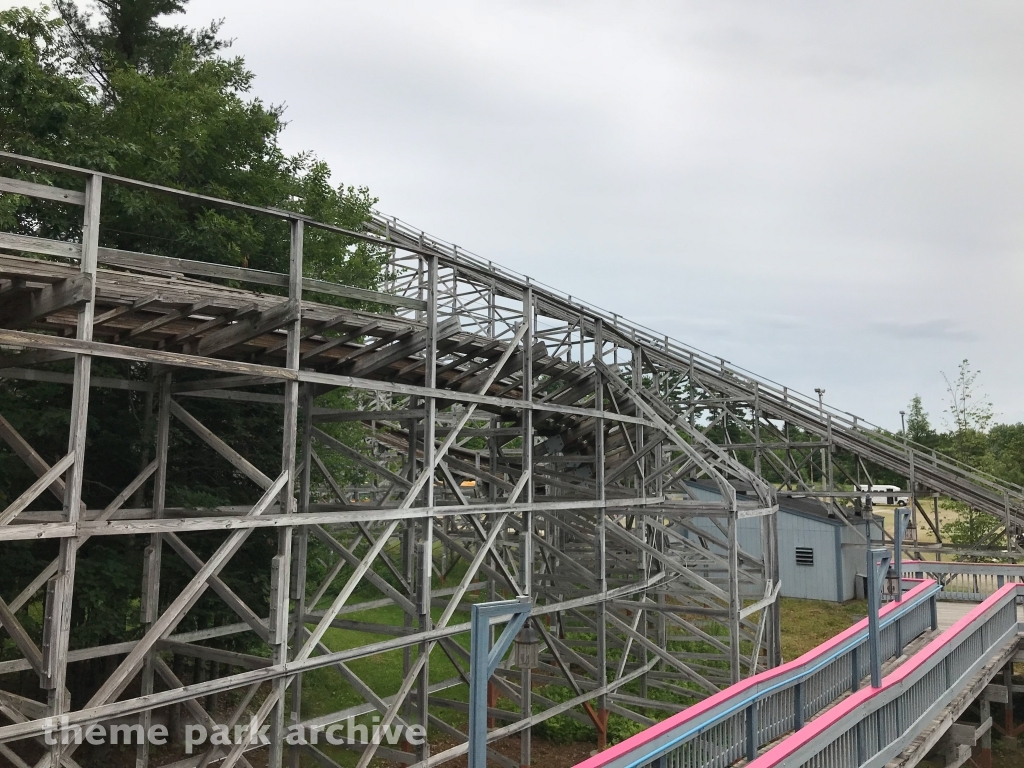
x,y
939,329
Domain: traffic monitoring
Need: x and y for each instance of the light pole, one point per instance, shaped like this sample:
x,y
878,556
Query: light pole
x,y
903,425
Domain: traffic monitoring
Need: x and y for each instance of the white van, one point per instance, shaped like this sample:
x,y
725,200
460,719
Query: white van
x,y
885,494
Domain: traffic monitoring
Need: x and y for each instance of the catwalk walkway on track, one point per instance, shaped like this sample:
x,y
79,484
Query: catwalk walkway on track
x,y
946,663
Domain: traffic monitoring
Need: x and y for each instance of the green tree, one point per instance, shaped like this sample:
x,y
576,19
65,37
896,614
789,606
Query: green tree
x,y
127,33
972,527
1006,445
969,414
919,428
115,87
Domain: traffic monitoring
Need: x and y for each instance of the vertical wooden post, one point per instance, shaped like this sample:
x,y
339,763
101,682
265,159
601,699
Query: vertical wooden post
x,y
300,549
55,664
285,537
427,543
636,385
526,498
600,564
985,712
154,553
734,591
409,535
1008,726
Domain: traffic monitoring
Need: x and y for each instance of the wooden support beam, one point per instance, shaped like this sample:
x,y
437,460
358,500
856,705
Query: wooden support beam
x,y
45,481
231,658
356,456
248,328
236,459
25,308
42,191
22,639
168,317
403,349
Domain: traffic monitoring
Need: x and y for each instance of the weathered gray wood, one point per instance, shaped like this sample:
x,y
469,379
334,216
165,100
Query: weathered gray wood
x,y
58,628
174,612
27,454
201,715
996,693
228,382
350,515
403,349
40,245
231,658
21,638
45,481
185,338
125,310
339,492
223,591
236,459
244,274
100,382
316,635
249,328
26,308
167,317
35,357
139,704
301,544
359,458
43,191
47,573
332,415
114,351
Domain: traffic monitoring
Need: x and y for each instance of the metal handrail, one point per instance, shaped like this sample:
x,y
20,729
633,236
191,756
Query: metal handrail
x,y
734,722
873,726
966,582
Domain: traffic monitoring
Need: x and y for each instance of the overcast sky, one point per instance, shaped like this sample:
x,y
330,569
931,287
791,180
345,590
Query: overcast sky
x,y
828,194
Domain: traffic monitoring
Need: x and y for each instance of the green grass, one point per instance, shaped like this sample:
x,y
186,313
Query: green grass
x,y
326,690
807,624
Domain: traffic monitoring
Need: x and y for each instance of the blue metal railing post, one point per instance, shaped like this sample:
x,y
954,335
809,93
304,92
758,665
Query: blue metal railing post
x,y
878,565
483,660
752,731
855,668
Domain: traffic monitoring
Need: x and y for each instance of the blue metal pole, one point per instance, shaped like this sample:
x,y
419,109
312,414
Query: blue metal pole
x,y
483,660
878,564
478,649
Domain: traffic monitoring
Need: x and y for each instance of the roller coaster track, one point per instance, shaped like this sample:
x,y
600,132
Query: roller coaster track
x,y
929,469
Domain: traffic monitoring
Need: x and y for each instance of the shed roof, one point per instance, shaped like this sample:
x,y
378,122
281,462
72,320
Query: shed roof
x,y
805,506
